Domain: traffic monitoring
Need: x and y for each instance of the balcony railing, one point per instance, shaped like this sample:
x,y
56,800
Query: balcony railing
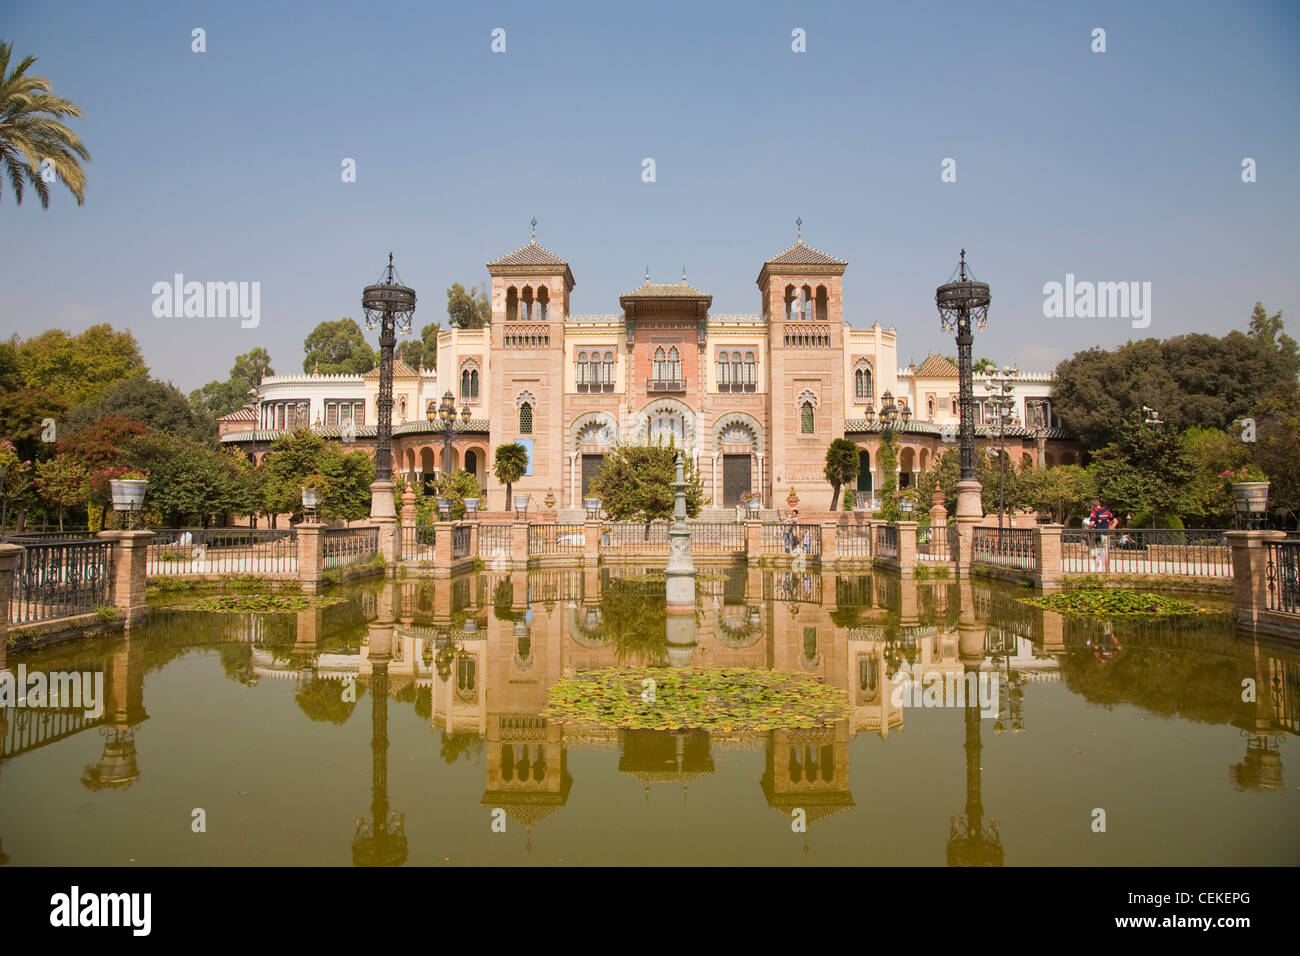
x,y
595,387
665,385
737,387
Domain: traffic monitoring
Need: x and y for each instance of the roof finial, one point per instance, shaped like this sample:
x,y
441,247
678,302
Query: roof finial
x,y
390,268
963,265
647,275
683,275
798,229
534,224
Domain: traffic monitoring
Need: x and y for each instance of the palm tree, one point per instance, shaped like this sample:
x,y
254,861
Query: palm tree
x,y
841,466
511,463
30,132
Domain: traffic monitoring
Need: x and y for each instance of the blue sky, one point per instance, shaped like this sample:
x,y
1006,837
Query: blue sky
x,y
225,165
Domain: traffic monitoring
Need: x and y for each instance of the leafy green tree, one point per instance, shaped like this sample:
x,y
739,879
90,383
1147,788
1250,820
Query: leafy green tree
x,y
841,466
1144,473
468,309
32,131
221,398
1204,503
159,405
636,483
944,475
421,351
63,482
295,456
78,369
887,459
1277,449
1063,492
510,464
192,483
22,413
337,348
102,443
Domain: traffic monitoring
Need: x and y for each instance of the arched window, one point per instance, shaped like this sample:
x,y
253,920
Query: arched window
x,y
609,371
822,309
737,373
674,366
465,674
929,404
806,419
593,372
526,303
582,371
751,372
464,383
862,383
526,418
724,377
807,303
791,307
512,304
543,303
659,364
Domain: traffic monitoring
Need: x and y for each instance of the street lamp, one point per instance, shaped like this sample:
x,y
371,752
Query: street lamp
x,y
446,413
961,304
390,307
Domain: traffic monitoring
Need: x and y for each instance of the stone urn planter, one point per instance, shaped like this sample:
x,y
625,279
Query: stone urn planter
x,y
521,503
310,499
444,508
471,506
1250,497
128,493
591,506
753,504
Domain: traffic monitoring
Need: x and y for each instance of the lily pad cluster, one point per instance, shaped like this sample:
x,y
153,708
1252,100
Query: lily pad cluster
x,y
721,700
1113,602
261,603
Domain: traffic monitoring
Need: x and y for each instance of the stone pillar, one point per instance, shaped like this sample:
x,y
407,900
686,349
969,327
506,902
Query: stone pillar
x,y
591,542
1250,572
938,513
970,512
311,557
130,551
1047,548
519,544
753,540
473,536
442,548
9,555
830,543
409,515
907,548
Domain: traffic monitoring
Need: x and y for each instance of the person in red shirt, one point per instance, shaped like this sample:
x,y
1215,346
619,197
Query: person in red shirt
x,y
1100,517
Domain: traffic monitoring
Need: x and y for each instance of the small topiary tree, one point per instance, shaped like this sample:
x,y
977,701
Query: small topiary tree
x,y
636,483
841,466
510,465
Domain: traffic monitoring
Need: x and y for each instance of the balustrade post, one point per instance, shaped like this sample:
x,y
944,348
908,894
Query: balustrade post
x,y
966,525
311,557
442,549
130,556
519,544
830,543
753,541
1250,572
1047,555
591,542
9,555
907,548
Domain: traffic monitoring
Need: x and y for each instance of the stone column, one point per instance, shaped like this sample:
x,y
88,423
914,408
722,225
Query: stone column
x,y
442,548
130,551
311,556
519,544
907,548
1250,572
1047,548
830,543
409,514
9,555
591,542
753,540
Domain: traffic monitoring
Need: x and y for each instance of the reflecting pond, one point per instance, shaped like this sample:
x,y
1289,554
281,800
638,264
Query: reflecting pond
x,y
407,725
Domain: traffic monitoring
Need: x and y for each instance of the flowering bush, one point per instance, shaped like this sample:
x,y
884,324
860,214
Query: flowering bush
x,y
747,496
1249,472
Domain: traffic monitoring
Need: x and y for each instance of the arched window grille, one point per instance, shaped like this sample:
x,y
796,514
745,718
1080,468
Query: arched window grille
x,y
582,371
724,377
659,364
751,372
526,419
674,366
609,372
806,419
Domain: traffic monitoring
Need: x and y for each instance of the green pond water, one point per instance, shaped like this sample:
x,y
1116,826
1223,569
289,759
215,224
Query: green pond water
x,y
405,725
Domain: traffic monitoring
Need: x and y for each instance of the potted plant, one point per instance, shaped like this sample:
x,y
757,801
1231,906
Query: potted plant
x,y
313,489
751,501
127,487
521,503
471,505
1249,489
444,508
592,506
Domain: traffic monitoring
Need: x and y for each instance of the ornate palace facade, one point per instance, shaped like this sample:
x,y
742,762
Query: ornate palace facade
x,y
753,399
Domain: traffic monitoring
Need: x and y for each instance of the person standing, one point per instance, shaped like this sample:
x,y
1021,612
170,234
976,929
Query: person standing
x,y
1100,519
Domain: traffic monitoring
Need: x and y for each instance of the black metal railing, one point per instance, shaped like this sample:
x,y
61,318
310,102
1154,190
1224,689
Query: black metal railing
x,y
44,537
1193,551
222,551
1006,548
549,539
793,539
1283,576
853,540
716,537
60,579
460,535
887,540
347,546
932,543
493,541
635,537
416,543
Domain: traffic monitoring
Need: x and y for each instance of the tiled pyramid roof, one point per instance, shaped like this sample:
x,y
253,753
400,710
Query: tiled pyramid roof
x,y
529,255
801,254
936,366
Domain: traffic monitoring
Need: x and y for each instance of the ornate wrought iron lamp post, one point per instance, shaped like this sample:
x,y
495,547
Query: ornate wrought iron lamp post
x,y
389,306
962,305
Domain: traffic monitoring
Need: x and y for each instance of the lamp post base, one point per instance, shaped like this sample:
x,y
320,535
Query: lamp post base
x,y
969,499
382,505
